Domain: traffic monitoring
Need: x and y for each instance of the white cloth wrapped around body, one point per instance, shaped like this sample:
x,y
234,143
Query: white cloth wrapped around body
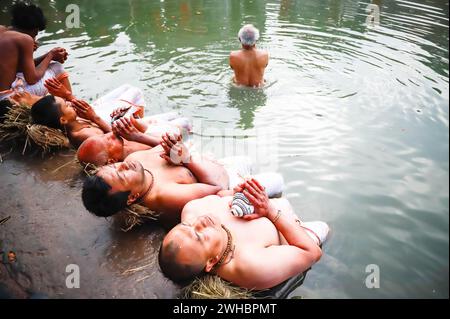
x,y
54,70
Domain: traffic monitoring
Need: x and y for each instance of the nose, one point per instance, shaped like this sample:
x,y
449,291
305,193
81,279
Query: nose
x,y
200,224
123,166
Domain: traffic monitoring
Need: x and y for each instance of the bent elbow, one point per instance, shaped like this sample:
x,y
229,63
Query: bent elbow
x,y
31,80
218,188
317,254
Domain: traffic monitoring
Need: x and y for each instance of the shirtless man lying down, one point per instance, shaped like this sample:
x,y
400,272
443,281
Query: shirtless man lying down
x,y
256,252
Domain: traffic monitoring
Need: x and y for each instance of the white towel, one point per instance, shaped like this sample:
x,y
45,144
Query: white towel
x,y
240,168
119,97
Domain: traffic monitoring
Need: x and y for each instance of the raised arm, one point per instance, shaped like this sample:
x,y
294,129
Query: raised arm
x,y
56,88
284,223
61,57
205,170
124,127
84,110
267,267
31,72
38,60
273,265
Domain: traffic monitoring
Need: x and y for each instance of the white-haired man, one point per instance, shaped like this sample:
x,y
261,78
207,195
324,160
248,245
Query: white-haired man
x,y
249,63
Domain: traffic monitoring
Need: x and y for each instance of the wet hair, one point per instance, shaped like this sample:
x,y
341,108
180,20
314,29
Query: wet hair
x,y
46,112
27,17
248,35
175,271
98,200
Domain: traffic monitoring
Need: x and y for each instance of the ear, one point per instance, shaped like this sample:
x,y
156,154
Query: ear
x,y
211,263
132,198
63,120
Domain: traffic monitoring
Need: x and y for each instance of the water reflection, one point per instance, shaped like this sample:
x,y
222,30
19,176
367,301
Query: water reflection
x,y
374,10
247,101
360,112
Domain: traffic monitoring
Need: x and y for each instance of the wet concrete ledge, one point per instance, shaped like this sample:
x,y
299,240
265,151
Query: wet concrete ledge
x,y
49,229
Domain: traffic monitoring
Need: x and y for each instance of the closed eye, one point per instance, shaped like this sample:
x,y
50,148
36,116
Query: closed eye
x,y
195,233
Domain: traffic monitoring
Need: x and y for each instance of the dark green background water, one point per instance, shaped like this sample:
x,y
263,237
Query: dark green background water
x,y
355,116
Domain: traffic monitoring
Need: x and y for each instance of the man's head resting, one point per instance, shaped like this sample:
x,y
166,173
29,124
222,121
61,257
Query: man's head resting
x,y
248,35
192,249
27,17
52,112
114,188
98,199
101,150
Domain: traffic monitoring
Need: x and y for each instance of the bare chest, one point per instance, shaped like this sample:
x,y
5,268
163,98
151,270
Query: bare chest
x,y
256,233
162,171
246,234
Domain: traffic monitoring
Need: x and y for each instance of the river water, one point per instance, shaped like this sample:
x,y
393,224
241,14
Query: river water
x,y
355,115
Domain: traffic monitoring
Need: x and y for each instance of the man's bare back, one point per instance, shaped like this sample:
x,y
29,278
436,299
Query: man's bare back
x,y
10,43
17,46
249,66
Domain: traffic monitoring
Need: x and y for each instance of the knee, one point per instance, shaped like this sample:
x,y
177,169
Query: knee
x,y
56,67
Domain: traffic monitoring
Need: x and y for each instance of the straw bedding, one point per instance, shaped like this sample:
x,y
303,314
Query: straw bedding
x,y
213,287
17,125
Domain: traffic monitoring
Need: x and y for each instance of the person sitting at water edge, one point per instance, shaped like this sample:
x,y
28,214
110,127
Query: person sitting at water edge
x,y
163,179
258,251
18,70
249,63
130,135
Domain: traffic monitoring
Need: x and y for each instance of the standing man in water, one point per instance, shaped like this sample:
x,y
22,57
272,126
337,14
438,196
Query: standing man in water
x,y
249,63
18,69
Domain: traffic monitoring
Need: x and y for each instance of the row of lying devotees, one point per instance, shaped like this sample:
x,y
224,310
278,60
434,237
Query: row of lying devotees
x,y
144,160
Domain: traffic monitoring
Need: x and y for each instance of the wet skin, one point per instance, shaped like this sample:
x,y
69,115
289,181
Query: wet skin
x,y
249,66
173,186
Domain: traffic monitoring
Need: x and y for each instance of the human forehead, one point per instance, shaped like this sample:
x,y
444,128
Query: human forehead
x,y
182,235
60,102
108,170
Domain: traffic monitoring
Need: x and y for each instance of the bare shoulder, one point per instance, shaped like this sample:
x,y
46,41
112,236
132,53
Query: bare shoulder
x,y
202,202
143,155
79,136
245,262
234,53
22,39
197,206
263,54
263,57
